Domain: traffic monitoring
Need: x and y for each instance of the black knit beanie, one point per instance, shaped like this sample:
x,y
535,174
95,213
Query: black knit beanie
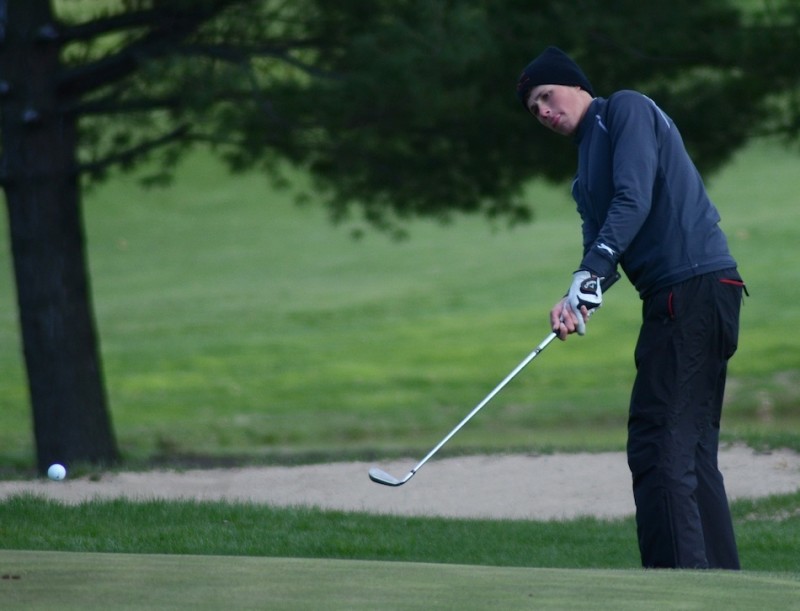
x,y
552,67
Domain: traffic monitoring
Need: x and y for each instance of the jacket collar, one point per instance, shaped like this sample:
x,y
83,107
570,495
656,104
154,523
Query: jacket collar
x,y
588,120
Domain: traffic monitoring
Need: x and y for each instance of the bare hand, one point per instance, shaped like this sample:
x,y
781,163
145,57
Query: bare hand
x,y
563,320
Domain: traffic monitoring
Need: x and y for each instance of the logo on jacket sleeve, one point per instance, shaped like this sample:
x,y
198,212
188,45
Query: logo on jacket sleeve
x,y
605,247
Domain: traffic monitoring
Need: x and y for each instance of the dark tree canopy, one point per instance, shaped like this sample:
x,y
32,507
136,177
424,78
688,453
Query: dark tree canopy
x,y
407,105
396,108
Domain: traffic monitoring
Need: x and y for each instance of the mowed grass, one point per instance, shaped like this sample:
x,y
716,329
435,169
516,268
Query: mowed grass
x,y
234,322
158,554
48,580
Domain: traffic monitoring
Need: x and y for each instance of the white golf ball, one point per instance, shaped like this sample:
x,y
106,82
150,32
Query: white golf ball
x,y
57,472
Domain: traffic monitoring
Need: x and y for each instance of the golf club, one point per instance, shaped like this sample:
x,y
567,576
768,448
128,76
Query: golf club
x,y
379,476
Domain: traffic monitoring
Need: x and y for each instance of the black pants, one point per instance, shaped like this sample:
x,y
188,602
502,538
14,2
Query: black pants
x,y
688,333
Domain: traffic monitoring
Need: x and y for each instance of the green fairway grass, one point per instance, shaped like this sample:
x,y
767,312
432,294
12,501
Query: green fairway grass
x,y
235,323
236,326
214,555
768,533
48,580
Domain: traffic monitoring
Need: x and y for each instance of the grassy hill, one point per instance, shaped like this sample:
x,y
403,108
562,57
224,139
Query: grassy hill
x,y
233,321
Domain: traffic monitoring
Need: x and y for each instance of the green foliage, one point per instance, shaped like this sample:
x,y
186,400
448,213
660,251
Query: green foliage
x,y
407,108
768,531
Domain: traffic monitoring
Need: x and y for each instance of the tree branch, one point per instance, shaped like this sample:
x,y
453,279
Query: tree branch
x,y
174,26
107,25
130,154
110,105
241,54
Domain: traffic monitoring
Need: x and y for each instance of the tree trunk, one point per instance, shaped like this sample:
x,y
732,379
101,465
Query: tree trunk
x,y
70,416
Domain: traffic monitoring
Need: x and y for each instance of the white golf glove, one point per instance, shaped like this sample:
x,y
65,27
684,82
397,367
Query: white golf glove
x,y
585,291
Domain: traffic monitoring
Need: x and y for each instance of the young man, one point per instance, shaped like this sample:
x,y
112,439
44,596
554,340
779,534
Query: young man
x,y
644,207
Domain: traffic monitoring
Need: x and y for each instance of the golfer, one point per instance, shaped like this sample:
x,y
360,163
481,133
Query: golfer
x,y
644,207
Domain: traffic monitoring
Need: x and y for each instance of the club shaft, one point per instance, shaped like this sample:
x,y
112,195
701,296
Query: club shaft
x,y
382,477
544,343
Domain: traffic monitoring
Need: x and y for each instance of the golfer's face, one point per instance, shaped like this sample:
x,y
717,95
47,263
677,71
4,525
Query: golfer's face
x,y
558,107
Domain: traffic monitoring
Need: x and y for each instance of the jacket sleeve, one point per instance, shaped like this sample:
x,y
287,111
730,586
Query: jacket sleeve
x,y
632,129
589,228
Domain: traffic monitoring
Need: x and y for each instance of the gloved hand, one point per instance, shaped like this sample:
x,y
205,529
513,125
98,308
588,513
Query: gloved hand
x,y
585,291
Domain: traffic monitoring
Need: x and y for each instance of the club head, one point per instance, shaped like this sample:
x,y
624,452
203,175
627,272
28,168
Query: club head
x,y
379,476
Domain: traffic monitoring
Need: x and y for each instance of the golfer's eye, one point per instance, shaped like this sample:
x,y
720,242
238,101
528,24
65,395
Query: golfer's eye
x,y
542,97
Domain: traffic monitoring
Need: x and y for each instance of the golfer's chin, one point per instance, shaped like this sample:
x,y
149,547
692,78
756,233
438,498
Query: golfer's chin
x,y
562,129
